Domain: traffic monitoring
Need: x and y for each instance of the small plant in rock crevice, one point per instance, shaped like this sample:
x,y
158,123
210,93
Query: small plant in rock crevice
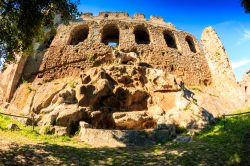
x,y
72,84
195,88
90,58
217,55
29,88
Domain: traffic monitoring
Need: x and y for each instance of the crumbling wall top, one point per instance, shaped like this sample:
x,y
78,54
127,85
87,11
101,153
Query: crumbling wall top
x,y
85,16
113,15
139,16
157,19
125,17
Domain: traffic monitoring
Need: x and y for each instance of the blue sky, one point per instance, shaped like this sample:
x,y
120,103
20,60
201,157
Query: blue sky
x,y
226,16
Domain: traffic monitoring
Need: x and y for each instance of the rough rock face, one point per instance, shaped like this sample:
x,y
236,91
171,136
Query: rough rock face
x,y
9,78
122,87
217,57
113,97
44,96
223,78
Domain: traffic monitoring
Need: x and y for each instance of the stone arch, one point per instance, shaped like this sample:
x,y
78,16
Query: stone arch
x,y
141,35
170,39
191,44
79,34
110,35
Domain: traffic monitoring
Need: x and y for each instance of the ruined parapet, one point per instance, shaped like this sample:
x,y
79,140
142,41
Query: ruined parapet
x,y
86,16
113,15
157,19
139,16
223,78
105,15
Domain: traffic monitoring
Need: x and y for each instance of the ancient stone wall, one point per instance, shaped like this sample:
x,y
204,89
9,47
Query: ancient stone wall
x,y
245,85
223,78
217,58
88,43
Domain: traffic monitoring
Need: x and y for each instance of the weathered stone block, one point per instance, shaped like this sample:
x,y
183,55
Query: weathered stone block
x,y
123,138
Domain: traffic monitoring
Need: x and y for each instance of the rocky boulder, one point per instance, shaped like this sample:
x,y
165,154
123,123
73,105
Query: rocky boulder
x,y
13,127
45,94
90,95
65,116
133,120
61,131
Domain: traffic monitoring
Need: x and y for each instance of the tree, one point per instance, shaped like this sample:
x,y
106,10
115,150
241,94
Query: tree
x,y
246,5
24,21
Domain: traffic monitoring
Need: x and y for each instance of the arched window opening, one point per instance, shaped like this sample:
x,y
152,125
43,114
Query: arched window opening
x,y
191,45
79,35
141,35
169,39
110,35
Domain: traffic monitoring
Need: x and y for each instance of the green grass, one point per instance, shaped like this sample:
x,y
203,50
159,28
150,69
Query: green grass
x,y
26,134
225,143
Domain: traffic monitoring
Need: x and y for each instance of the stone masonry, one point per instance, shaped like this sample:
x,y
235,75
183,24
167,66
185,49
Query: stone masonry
x,y
78,45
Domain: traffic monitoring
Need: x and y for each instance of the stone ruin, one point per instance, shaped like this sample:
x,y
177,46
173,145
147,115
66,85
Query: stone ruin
x,y
123,80
245,84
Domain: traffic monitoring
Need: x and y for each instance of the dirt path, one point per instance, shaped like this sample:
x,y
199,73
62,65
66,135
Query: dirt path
x,y
12,153
51,154
170,153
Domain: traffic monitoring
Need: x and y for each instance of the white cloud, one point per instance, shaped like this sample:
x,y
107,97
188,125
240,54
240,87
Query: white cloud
x,y
240,63
245,35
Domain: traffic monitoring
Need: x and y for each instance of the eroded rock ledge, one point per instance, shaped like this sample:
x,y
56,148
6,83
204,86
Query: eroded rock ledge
x,y
133,99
